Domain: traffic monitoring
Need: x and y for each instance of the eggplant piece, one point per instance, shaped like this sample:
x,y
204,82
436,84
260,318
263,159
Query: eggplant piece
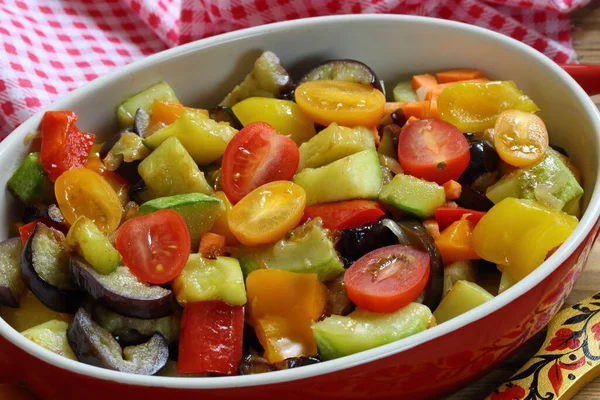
x,y
122,292
11,284
226,114
113,140
52,212
129,171
338,302
254,363
419,237
353,243
45,270
131,328
141,121
344,70
95,346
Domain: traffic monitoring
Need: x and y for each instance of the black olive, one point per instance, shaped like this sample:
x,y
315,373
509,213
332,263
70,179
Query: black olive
x,y
473,200
483,159
353,243
399,118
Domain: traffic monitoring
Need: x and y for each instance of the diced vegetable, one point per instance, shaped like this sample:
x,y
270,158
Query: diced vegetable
x,y
306,249
452,189
338,302
211,338
221,225
203,279
87,240
463,296
267,79
226,114
129,148
361,330
31,312
357,176
198,210
346,103
267,213
271,295
253,363
460,74
165,113
520,138
144,99
404,91
95,346
506,281
283,115
11,284
119,184
388,279
425,80
416,109
446,216
122,291
389,141
51,335
170,170
344,214
333,143
474,107
212,245
456,241
519,234
30,182
413,195
344,70
459,271
204,139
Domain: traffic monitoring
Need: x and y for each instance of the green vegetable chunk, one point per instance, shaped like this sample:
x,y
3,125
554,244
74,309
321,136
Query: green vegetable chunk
x,y
361,330
90,243
51,335
357,176
30,183
404,91
203,279
169,170
144,99
198,210
463,296
413,195
307,249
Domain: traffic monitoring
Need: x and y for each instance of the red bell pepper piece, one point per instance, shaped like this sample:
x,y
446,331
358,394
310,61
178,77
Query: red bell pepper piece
x,y
345,214
211,338
446,216
64,147
26,230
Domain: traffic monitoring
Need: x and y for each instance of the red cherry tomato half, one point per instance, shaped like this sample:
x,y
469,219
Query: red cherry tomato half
x,y
445,216
388,278
345,214
155,247
257,155
434,150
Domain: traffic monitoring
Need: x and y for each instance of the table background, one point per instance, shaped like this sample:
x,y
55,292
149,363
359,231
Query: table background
x,y
586,40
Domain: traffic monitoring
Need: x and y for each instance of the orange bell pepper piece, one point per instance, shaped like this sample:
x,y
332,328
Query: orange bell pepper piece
x,y
455,243
282,306
167,113
212,245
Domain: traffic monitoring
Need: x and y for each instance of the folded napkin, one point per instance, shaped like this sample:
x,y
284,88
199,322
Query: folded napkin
x,y
49,47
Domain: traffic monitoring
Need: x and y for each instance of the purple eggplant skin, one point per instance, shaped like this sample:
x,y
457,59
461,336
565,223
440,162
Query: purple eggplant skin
x,y
327,70
140,124
63,300
11,284
122,292
226,114
95,346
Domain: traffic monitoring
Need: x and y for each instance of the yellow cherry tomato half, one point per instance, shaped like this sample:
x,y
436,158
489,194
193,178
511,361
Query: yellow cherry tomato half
x,y
345,103
520,138
267,213
82,192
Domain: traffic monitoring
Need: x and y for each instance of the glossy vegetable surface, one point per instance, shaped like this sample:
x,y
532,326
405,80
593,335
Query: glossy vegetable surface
x,y
345,214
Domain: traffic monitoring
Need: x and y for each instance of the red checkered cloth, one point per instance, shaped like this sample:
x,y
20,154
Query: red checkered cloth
x,y
49,47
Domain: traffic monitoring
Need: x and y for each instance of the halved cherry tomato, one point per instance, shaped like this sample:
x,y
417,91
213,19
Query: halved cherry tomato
x,y
267,213
82,192
345,214
446,216
433,150
155,247
117,182
346,103
257,155
520,138
388,278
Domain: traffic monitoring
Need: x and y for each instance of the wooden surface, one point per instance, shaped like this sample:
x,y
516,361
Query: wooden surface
x,y
586,40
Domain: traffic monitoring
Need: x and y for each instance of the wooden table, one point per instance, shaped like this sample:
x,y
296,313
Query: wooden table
x,y
586,40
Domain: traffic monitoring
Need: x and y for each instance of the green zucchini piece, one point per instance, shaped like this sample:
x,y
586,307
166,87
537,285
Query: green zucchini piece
x,y
90,243
413,195
51,335
307,249
361,330
333,143
169,170
357,176
130,147
120,325
30,182
267,79
463,297
11,284
204,139
198,210
203,279
144,99
404,91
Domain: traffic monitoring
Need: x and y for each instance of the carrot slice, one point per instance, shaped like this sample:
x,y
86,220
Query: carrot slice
x,y
433,94
460,74
426,80
418,109
390,107
212,245
452,189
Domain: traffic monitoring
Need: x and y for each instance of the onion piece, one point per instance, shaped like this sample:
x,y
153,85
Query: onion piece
x,y
396,230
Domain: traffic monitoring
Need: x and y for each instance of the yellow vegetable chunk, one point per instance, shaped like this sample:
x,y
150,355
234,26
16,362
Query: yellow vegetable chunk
x,y
30,313
51,335
463,296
